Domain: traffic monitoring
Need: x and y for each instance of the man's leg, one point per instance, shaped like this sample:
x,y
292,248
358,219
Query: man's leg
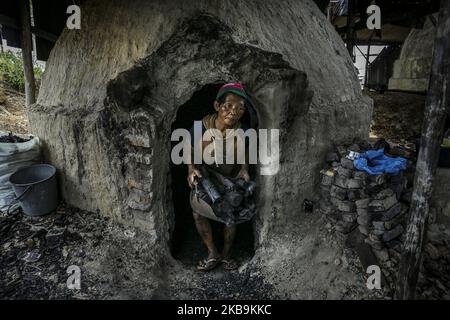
x,y
229,233
205,232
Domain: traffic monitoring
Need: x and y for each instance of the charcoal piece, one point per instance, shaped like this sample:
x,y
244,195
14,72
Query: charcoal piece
x,y
345,227
377,234
382,144
55,237
341,182
338,192
399,219
356,194
347,163
363,220
397,189
346,206
360,175
362,211
378,225
392,244
349,216
363,144
355,148
344,172
342,151
355,183
333,217
226,197
324,192
373,188
327,180
382,205
382,255
378,179
11,138
363,203
392,212
392,234
376,216
326,207
383,194
397,179
332,157
363,229
335,201
374,243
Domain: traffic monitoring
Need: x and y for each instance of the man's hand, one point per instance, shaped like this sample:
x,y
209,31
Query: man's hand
x,y
192,173
243,174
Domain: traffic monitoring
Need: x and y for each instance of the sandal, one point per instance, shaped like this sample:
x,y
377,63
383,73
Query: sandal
x,y
207,264
229,264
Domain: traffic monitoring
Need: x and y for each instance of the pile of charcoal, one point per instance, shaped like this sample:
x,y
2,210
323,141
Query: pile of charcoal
x,y
375,204
11,138
35,253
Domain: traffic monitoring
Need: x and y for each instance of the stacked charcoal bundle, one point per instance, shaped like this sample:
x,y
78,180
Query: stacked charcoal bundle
x,y
352,198
382,221
341,186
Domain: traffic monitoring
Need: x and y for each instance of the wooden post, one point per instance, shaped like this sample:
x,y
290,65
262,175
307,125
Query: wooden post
x,y
366,75
1,38
30,89
432,133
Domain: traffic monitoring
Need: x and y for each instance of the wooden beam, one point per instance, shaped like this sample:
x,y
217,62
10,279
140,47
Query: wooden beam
x,y
27,46
10,22
13,23
44,34
432,133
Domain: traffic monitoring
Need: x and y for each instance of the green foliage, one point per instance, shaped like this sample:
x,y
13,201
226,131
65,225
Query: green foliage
x,y
11,70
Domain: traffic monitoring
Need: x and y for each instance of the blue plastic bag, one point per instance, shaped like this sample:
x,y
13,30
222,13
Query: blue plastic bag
x,y
376,162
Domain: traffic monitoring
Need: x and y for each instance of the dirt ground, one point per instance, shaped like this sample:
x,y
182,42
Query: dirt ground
x,y
397,117
34,261
37,251
12,111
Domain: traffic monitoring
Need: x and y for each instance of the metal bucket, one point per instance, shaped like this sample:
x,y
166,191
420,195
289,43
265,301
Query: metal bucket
x,y
35,188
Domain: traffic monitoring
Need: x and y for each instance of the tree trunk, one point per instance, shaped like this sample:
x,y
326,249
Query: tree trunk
x,y
432,133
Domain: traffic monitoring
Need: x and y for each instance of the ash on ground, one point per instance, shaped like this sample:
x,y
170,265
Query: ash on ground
x,y
37,251
116,263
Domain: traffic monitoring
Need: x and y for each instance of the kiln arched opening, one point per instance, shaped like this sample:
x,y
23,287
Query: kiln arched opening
x,y
186,244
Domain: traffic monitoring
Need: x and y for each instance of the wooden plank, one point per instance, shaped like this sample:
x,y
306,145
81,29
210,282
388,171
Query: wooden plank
x,y
432,133
27,46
